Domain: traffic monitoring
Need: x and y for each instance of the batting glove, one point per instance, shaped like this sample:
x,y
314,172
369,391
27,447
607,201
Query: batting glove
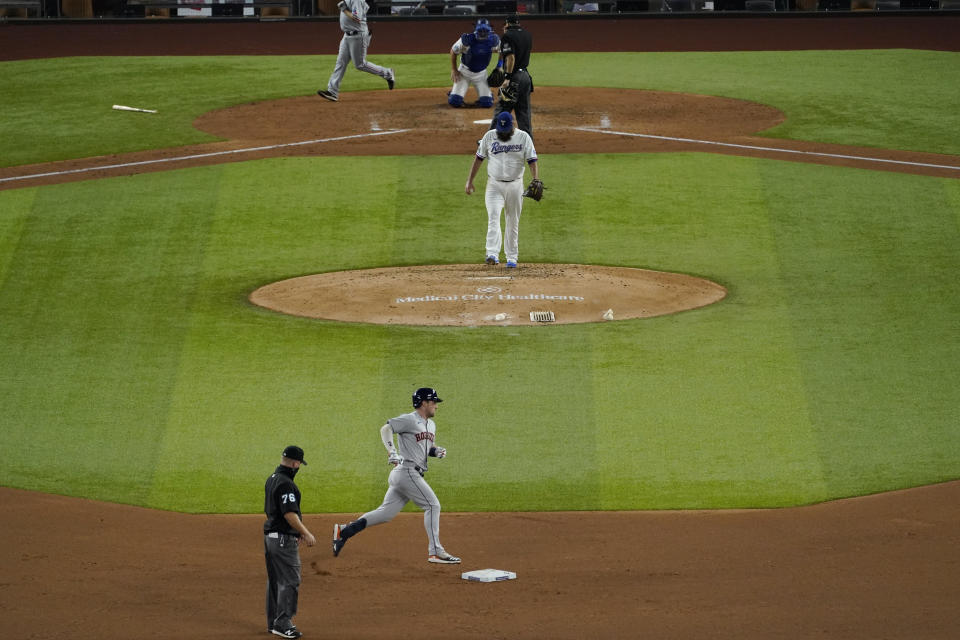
x,y
394,458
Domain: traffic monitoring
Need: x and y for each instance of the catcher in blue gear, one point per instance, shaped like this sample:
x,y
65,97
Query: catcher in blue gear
x,y
475,51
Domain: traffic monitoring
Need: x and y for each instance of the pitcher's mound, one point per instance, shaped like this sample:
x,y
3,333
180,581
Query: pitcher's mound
x,y
471,295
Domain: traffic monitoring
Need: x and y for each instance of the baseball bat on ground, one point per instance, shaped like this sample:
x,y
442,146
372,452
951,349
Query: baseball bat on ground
x,y
120,107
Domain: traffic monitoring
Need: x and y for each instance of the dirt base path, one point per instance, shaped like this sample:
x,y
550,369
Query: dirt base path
x,y
419,122
883,566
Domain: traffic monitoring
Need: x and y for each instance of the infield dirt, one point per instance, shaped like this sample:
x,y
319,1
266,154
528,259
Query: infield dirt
x,y
883,566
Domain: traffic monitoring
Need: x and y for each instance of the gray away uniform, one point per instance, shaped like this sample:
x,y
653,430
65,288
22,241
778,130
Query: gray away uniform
x,y
354,45
415,438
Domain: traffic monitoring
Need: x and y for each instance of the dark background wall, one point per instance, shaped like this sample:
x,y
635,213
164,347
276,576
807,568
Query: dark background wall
x,y
304,36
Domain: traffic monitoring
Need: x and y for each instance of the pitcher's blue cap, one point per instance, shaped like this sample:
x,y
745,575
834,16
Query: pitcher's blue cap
x,y
505,122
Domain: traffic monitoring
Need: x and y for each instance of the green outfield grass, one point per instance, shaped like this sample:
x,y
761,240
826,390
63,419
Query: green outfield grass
x,y
896,99
134,369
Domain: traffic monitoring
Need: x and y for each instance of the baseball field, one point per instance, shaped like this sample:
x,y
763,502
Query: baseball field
x,y
692,473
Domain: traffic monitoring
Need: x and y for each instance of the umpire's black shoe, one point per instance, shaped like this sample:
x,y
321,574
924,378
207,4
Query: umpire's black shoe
x,y
292,632
338,542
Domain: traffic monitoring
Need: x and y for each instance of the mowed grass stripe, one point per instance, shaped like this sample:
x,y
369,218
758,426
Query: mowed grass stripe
x,y
875,314
13,216
278,380
704,431
95,307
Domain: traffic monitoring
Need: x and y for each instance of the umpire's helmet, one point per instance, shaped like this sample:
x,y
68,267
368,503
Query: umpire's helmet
x,y
424,394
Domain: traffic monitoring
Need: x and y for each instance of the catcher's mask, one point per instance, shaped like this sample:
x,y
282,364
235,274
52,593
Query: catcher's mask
x,y
482,28
425,394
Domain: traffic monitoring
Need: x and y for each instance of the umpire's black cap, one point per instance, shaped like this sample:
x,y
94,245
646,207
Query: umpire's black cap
x,y
425,394
294,453
513,19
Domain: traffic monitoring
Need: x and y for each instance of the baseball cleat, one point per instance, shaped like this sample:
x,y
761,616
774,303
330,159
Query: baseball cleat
x,y
511,264
492,259
292,632
391,79
323,93
444,558
338,542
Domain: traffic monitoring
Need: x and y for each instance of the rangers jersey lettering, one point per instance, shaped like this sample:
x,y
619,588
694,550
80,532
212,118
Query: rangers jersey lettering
x,y
497,147
507,159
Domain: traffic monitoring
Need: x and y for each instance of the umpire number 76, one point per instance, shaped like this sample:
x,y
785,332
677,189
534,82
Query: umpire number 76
x,y
288,497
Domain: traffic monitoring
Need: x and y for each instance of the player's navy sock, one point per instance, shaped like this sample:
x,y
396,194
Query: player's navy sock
x,y
353,528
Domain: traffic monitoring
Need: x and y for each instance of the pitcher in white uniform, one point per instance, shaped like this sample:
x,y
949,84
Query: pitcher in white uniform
x,y
509,150
353,46
416,433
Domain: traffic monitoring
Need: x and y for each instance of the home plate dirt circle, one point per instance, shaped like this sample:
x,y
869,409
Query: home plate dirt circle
x,y
465,295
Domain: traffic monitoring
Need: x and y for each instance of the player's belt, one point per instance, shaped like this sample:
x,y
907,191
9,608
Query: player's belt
x,y
352,33
409,465
499,180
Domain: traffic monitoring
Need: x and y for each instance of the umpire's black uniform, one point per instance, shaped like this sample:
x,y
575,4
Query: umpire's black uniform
x,y
518,43
281,496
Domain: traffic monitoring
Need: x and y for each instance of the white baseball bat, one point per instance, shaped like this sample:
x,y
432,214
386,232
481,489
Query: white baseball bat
x,y
120,107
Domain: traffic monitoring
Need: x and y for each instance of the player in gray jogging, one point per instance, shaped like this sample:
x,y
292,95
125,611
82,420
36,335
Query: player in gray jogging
x,y
416,433
353,46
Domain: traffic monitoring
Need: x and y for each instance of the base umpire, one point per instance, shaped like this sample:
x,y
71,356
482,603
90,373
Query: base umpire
x,y
282,533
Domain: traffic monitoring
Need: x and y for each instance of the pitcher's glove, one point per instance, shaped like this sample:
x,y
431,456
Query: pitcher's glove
x,y
496,77
534,190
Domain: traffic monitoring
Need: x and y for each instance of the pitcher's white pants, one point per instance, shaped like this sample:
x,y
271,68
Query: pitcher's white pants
x,y
506,197
354,48
406,485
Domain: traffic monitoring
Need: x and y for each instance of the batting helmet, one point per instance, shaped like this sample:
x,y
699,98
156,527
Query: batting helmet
x,y
424,394
482,28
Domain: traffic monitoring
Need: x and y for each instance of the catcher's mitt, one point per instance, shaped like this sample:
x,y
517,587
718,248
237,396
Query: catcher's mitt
x,y
510,93
496,77
534,190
